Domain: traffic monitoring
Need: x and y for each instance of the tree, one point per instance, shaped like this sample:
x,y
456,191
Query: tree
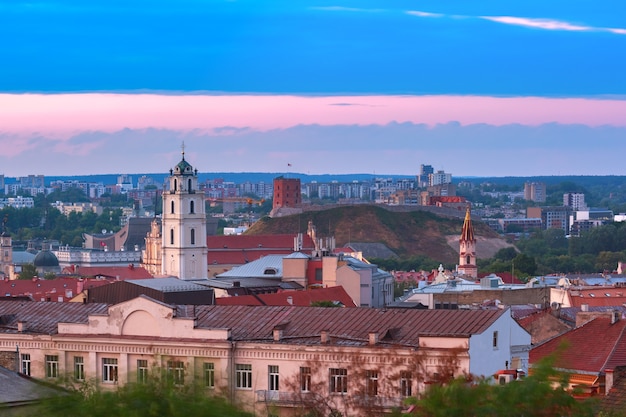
x,y
543,394
29,271
159,396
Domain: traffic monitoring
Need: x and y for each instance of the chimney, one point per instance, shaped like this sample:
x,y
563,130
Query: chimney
x,y
373,338
609,379
278,334
290,300
21,326
614,316
584,307
324,339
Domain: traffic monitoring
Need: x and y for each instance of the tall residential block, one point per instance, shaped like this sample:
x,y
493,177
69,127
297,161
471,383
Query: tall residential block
x,y
535,191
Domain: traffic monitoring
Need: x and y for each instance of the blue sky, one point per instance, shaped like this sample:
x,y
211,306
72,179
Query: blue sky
x,y
554,49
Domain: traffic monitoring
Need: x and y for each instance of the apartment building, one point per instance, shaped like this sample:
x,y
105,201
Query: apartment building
x,y
274,360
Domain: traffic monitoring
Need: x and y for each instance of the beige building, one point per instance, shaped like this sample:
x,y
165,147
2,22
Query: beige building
x,y
270,360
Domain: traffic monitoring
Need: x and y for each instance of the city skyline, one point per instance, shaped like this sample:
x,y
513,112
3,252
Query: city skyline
x,y
326,87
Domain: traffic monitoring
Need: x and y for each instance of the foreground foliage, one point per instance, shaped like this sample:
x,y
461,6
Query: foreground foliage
x,y
155,398
543,394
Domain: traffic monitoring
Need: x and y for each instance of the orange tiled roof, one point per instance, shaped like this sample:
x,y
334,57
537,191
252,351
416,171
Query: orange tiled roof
x,y
592,347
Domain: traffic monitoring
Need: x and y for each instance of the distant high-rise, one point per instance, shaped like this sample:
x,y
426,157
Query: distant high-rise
x,y
439,177
535,191
422,178
574,200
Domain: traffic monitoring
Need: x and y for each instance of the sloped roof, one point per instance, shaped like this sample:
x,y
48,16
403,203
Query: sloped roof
x,y
373,250
241,249
295,298
283,241
18,390
347,325
591,348
266,267
169,284
43,317
123,272
44,289
597,296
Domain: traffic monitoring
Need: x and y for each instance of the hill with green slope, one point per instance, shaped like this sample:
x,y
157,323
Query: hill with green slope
x,y
407,233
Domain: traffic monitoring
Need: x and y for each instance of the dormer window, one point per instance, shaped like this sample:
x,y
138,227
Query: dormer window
x,y
270,271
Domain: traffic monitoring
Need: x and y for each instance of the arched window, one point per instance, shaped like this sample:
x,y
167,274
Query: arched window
x,y
189,185
172,208
193,236
192,208
175,184
171,236
467,260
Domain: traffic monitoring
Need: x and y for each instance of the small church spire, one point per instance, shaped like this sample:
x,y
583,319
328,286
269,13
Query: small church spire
x,y
467,248
467,234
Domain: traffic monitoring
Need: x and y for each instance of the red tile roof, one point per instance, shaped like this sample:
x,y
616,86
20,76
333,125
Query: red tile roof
x,y
240,249
598,296
592,347
63,289
295,298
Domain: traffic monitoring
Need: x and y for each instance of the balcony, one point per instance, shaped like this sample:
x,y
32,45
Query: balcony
x,y
284,398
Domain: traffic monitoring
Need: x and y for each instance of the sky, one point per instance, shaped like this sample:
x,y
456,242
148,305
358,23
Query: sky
x,y
475,88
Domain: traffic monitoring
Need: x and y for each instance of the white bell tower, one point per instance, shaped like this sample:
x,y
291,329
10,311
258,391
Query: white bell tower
x,y
184,249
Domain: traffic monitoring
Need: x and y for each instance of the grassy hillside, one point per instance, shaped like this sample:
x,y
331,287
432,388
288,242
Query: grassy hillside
x,y
406,233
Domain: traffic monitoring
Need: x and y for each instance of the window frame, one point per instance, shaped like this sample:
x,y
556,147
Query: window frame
x,y
52,366
109,370
305,379
79,368
176,371
142,371
208,371
406,384
25,364
243,376
338,381
371,382
273,378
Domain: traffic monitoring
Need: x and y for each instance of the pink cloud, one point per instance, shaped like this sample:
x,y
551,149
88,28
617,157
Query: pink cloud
x,y
63,115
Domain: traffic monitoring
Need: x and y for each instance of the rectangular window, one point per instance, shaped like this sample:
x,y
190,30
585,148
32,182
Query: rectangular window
x,y
318,275
142,371
25,366
371,383
79,368
305,379
209,374
176,371
243,374
406,384
109,370
273,379
52,366
338,381
495,339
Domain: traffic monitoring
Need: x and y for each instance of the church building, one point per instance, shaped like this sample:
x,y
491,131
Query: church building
x,y
467,248
183,237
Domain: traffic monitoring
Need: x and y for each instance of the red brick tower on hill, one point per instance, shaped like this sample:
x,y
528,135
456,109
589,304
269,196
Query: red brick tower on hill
x,y
287,193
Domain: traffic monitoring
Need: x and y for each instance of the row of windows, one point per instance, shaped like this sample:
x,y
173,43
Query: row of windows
x,y
337,380
337,377
175,369
192,207
192,236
